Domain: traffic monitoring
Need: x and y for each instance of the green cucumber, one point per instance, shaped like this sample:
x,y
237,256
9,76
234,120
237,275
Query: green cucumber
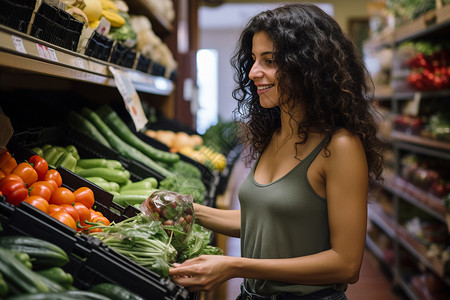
x,y
119,176
115,292
44,254
65,295
17,274
3,287
87,163
144,192
52,285
80,123
121,146
124,200
148,183
57,275
112,119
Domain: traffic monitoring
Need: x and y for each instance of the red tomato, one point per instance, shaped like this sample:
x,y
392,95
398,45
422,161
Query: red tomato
x,y
65,218
38,202
95,218
26,172
62,195
83,212
53,208
10,177
40,165
14,191
71,211
41,188
54,174
2,175
84,195
53,185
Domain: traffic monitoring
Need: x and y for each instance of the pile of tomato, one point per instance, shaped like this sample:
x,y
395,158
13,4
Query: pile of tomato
x,y
32,181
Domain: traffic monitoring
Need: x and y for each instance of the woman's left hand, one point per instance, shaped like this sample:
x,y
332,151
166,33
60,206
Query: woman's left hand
x,y
203,273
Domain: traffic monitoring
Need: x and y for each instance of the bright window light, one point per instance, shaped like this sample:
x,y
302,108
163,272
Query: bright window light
x,y
207,81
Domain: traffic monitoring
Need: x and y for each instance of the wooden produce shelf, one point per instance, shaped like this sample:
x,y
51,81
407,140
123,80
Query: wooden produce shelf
x,y
22,52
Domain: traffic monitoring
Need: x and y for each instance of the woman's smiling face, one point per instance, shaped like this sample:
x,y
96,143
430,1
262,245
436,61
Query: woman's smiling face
x,y
263,70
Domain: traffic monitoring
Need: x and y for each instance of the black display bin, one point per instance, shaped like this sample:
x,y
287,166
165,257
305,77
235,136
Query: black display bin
x,y
87,147
90,261
122,55
99,46
56,26
16,14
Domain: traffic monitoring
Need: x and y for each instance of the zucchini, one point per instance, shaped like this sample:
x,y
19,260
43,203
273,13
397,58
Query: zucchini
x,y
65,295
3,287
115,292
87,163
44,254
145,192
124,200
51,284
80,123
112,119
57,275
118,176
147,183
121,146
16,273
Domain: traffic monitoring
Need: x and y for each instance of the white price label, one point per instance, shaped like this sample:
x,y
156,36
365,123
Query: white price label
x,y
79,63
130,97
46,52
18,44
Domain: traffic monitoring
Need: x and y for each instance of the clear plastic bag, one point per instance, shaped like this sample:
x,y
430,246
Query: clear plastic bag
x,y
174,211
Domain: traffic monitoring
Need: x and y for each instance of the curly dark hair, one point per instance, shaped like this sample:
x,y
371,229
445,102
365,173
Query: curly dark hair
x,y
318,66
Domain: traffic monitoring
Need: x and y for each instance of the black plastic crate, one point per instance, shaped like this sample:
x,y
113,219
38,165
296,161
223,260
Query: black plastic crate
x,y
122,55
17,13
86,146
99,46
157,69
90,261
56,26
143,63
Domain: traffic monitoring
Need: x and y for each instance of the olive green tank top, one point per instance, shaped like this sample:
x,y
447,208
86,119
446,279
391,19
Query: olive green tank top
x,y
283,219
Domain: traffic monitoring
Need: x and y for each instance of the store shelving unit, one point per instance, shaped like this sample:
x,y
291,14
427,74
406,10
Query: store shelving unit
x,y
434,24
33,65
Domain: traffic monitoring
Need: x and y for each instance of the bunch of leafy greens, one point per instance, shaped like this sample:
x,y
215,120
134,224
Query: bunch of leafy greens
x,y
142,240
199,243
147,243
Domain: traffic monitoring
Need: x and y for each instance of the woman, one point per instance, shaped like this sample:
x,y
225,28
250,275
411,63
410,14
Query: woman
x,y
308,119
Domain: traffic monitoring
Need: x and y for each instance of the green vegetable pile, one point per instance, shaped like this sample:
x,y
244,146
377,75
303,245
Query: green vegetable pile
x,y
149,243
32,268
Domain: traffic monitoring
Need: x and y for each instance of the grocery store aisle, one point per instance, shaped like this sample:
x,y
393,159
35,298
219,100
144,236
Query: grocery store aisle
x,y
372,285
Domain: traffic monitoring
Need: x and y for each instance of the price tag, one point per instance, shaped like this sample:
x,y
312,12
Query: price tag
x,y
78,62
130,97
18,44
413,107
46,52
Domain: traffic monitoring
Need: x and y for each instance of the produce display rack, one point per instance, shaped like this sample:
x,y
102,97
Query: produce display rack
x,y
91,262
387,215
23,52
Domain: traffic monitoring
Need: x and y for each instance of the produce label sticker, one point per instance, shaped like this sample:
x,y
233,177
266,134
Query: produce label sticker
x,y
130,97
18,44
46,52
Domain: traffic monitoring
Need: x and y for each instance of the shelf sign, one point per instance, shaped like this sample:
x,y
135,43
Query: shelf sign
x,y
46,52
18,44
130,97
